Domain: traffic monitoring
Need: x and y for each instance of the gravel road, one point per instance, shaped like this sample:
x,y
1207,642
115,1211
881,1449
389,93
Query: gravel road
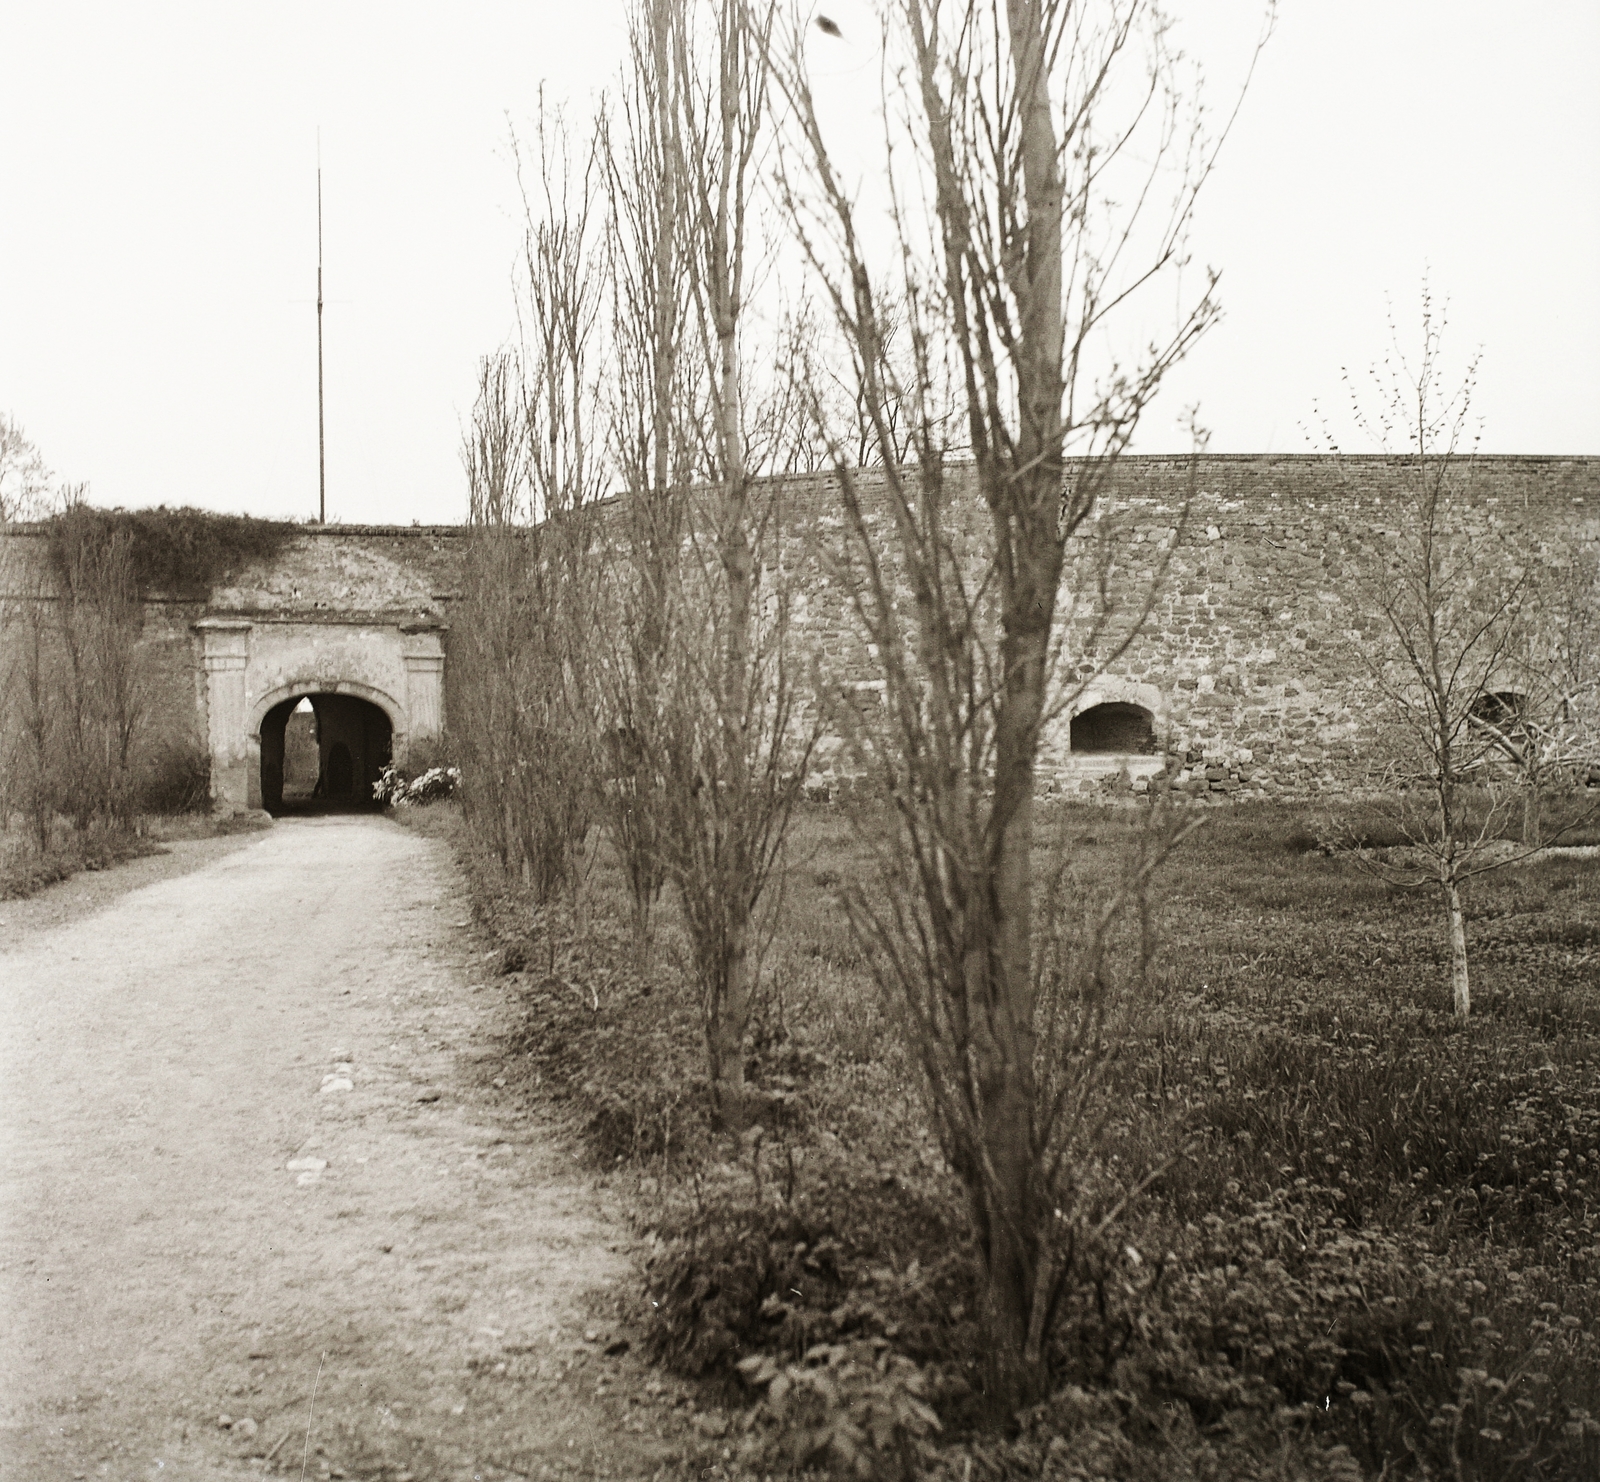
x,y
262,1205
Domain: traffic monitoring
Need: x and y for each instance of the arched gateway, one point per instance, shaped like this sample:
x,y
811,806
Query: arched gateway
x,y
347,617
377,689
333,758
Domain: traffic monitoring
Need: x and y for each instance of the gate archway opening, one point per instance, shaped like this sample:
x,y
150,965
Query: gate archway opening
x,y
322,753
1115,728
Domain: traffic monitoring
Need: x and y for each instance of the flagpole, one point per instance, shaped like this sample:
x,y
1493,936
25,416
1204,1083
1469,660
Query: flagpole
x,y
322,463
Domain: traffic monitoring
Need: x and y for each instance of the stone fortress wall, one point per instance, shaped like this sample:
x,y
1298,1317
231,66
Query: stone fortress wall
x,y
1245,678
1248,666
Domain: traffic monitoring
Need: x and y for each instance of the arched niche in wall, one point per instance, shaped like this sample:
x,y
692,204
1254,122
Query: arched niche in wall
x,y
1118,717
1503,708
1114,727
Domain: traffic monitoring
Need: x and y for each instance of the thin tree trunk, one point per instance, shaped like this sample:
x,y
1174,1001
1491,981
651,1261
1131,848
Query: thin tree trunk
x,y
1007,1080
734,728
1458,950
640,899
1024,504
727,1032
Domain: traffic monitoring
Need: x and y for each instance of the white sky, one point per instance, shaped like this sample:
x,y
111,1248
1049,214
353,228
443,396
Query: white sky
x,y
158,226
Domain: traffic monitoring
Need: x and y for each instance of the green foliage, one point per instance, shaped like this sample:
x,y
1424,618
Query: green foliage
x,y
859,1406
175,552
427,754
1129,1433
617,1049
1483,1366
1276,1335
718,1286
746,1271
25,872
1387,1105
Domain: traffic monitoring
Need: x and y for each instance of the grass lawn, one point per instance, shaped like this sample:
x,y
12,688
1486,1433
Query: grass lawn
x,y
24,871
1372,1250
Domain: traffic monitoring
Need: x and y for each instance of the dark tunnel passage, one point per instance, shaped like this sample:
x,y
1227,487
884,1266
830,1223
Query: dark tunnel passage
x,y
322,754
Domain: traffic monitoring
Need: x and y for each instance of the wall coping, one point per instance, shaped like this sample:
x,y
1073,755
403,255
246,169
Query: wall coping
x,y
407,619
1132,462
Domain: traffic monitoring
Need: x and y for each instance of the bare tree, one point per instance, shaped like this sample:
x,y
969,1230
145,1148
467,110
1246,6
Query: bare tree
x,y
731,759
102,699
77,703
487,716
524,713
700,695
1456,621
1024,126
653,391
559,312
527,773
24,479
33,766
566,446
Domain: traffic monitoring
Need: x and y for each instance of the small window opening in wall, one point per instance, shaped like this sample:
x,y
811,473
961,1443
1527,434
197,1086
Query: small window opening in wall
x,y
1506,711
1502,708
1114,728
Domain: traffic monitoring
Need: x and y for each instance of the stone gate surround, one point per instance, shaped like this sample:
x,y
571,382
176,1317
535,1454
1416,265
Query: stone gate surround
x,y
253,664
354,610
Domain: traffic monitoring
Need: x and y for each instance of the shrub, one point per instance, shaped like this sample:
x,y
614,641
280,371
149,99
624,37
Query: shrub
x,y
181,552
1127,1434
175,780
719,1289
860,1406
428,753
774,1260
26,873
397,790
433,786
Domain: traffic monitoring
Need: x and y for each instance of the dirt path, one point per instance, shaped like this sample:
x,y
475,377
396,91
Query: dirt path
x,y
247,1135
